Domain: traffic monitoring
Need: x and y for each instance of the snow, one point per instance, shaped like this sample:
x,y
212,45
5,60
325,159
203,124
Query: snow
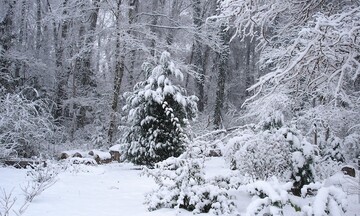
x,y
72,152
111,190
116,147
119,189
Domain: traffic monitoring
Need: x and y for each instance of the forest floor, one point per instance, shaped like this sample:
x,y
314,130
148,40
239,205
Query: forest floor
x,y
106,190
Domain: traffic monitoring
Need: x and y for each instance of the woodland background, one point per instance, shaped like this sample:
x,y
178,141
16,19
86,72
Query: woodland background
x,y
65,65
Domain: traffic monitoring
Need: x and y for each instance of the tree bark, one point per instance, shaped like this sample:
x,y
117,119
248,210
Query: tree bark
x,y
155,5
6,37
60,69
249,69
119,72
88,73
197,55
133,11
38,27
223,57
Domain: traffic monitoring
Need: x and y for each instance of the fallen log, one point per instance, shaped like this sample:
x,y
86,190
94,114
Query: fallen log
x,y
23,164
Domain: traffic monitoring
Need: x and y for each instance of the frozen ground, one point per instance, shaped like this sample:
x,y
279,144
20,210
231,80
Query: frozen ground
x,y
107,190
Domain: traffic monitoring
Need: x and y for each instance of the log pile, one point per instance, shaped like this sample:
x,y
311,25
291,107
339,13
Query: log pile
x,y
100,157
23,163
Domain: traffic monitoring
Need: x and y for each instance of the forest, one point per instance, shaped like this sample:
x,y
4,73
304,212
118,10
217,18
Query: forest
x,y
272,87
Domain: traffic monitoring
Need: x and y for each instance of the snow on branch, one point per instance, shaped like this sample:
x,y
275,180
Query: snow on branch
x,y
326,50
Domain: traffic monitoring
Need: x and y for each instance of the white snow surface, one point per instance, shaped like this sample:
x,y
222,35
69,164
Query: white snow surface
x,y
116,147
110,190
102,155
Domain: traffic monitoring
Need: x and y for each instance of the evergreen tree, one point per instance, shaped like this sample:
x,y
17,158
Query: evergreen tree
x,y
158,113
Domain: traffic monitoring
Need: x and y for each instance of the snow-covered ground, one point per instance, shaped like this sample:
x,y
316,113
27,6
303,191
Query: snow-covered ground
x,y
106,190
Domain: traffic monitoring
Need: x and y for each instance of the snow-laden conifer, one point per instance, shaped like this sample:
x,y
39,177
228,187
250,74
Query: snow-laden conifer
x,y
158,112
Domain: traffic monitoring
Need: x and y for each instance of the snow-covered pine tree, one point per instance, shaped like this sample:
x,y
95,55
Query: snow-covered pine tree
x,y
158,112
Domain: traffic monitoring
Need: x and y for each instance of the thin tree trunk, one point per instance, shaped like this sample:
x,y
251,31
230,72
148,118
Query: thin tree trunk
x,y
197,56
6,28
21,43
249,72
119,72
154,22
174,15
38,27
133,11
60,69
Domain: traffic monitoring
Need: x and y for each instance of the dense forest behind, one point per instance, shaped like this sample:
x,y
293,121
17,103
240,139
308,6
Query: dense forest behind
x,y
269,87
65,68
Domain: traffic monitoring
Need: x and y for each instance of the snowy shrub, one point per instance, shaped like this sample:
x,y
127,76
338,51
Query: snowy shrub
x,y
275,152
302,159
269,112
26,126
268,197
260,155
182,185
7,202
352,147
158,113
41,178
326,167
332,148
272,198
333,130
328,201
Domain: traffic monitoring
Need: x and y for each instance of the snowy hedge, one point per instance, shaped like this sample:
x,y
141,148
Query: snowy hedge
x,y
182,184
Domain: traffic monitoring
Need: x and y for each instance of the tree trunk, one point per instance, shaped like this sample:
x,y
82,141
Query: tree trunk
x,y
249,71
6,35
119,72
154,22
38,27
197,56
60,69
223,57
174,15
133,11
88,73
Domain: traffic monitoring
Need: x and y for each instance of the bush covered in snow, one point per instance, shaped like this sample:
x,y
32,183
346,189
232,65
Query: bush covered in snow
x,y
281,152
260,155
158,112
182,184
27,127
268,197
273,198
328,201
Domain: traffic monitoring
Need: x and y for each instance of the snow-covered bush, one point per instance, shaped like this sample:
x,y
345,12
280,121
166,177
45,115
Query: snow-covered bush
x,y
182,184
268,197
302,159
328,201
326,167
26,126
158,112
273,198
282,152
260,155
352,147
328,128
